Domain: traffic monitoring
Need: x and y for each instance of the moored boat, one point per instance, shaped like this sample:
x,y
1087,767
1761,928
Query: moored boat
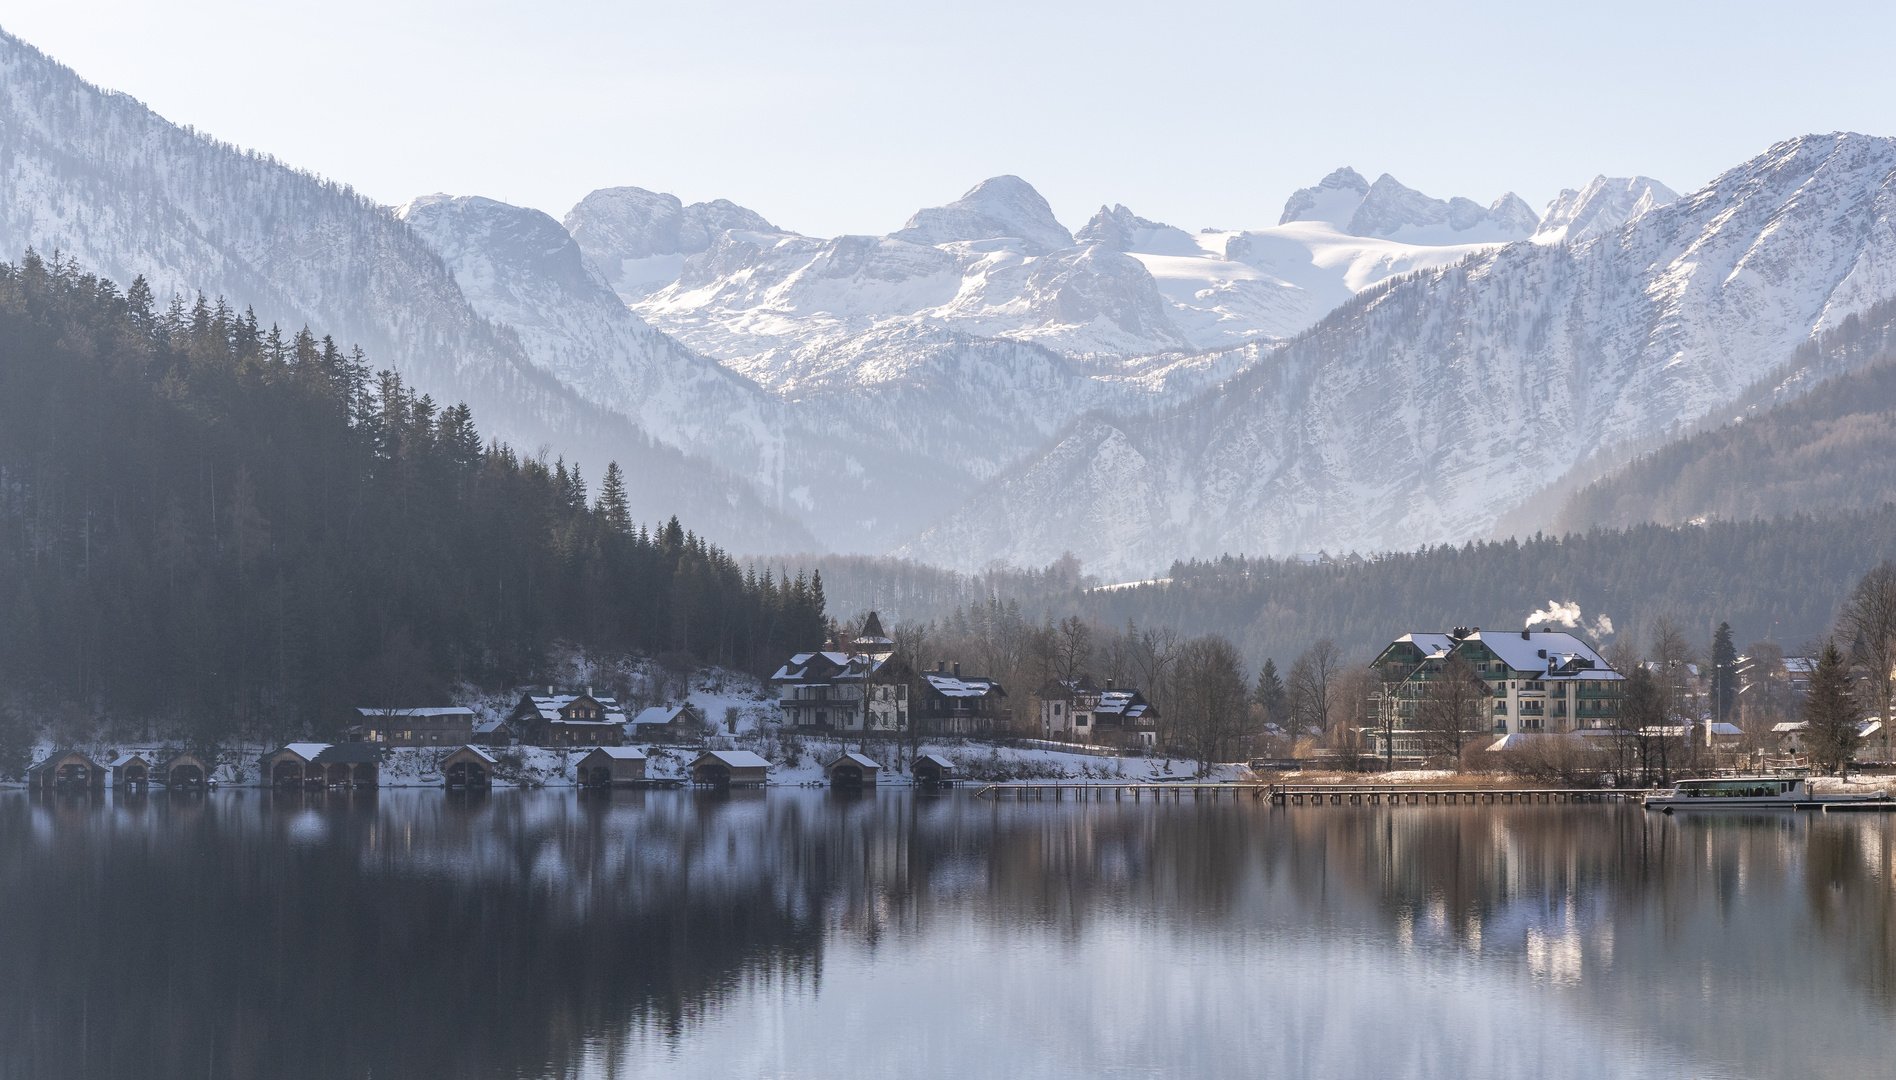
x,y
1752,793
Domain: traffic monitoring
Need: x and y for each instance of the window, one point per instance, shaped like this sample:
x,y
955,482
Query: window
x,y
1079,719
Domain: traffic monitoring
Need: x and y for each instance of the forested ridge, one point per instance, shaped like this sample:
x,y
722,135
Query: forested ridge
x,y
1781,580
220,530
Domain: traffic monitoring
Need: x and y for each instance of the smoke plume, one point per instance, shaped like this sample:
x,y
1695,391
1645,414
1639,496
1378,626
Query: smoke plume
x,y
1567,614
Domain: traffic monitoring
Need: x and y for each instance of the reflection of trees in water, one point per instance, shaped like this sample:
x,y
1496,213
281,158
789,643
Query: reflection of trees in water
x,y
416,934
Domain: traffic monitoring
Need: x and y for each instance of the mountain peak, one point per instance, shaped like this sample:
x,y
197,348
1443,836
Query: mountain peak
x,y
1119,229
1000,206
1603,205
1333,199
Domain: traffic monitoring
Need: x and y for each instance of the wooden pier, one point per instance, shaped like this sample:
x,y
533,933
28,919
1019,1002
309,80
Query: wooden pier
x,y
1394,795
1312,794
1137,790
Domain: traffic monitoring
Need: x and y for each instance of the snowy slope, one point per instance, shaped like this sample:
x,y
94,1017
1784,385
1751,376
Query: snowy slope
x,y
1603,205
1422,410
97,176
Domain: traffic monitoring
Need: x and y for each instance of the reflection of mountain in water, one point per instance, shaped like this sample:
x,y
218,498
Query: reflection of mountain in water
x,y
526,934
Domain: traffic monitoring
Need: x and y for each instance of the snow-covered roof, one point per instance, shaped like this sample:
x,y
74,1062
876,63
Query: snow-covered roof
x,y
659,714
477,752
735,759
1788,727
1127,703
549,705
1800,665
936,760
1566,656
827,666
958,687
622,753
1430,644
1727,729
1521,739
348,753
446,710
489,727
305,750
851,756
126,759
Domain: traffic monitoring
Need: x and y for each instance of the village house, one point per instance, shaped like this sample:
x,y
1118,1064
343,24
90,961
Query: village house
x,y
552,719
129,769
823,692
448,726
1078,710
957,705
669,723
1537,682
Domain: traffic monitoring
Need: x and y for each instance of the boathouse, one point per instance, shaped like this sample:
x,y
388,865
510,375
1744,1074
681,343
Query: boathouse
x,y
729,768
934,769
468,767
852,770
65,770
130,769
612,766
323,765
184,771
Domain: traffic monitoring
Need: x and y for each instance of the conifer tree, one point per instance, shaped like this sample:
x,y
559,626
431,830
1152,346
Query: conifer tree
x,y
614,511
1724,674
1830,710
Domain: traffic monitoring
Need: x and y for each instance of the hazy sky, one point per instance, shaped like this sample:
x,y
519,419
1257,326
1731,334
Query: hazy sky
x,y
844,117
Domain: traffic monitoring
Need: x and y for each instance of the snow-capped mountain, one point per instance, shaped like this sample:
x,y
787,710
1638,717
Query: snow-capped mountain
x,y
520,267
1603,205
1424,408
638,239
97,176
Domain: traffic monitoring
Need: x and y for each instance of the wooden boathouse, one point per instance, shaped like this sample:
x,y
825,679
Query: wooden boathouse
x,y
612,766
184,771
468,767
852,770
65,771
323,765
933,769
730,768
130,769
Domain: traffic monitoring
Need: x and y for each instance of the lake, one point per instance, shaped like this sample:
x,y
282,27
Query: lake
x,y
796,933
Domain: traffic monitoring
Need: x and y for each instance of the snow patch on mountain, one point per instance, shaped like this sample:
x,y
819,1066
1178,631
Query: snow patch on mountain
x,y
997,208
638,238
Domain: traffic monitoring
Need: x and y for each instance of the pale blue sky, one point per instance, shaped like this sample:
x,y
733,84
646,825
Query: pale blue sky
x,y
844,117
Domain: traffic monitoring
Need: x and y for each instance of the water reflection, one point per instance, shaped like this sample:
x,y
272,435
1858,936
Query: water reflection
x,y
416,934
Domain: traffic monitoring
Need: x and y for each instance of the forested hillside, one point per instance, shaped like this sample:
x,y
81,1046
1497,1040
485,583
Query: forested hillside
x,y
1832,449
216,529
1780,580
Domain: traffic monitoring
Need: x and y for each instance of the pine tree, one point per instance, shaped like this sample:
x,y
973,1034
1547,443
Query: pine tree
x,y
613,509
1724,674
1830,710
1269,692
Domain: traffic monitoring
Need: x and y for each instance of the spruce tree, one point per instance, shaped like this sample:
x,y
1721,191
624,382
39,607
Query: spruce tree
x,y
1724,674
614,511
1830,710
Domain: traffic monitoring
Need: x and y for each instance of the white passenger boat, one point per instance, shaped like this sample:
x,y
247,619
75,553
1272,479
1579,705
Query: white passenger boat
x,y
1751,793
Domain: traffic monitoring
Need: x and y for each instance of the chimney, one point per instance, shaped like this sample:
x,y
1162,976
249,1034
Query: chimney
x,y
589,691
549,689
1524,635
1109,684
957,669
941,667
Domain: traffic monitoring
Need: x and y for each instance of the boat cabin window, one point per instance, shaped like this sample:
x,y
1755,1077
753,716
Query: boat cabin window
x,y
1733,789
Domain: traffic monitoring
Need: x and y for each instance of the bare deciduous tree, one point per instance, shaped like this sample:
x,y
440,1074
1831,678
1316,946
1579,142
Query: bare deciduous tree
x,y
1211,698
1312,678
1869,625
1455,709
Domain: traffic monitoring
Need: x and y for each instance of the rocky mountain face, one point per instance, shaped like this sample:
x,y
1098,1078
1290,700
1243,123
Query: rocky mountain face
x,y
1424,408
1603,205
637,239
96,176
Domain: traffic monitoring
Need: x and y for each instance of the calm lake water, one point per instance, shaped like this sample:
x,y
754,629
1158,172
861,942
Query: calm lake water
x,y
800,934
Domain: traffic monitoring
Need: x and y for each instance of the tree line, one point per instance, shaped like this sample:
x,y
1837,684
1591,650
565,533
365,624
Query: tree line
x,y
211,530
